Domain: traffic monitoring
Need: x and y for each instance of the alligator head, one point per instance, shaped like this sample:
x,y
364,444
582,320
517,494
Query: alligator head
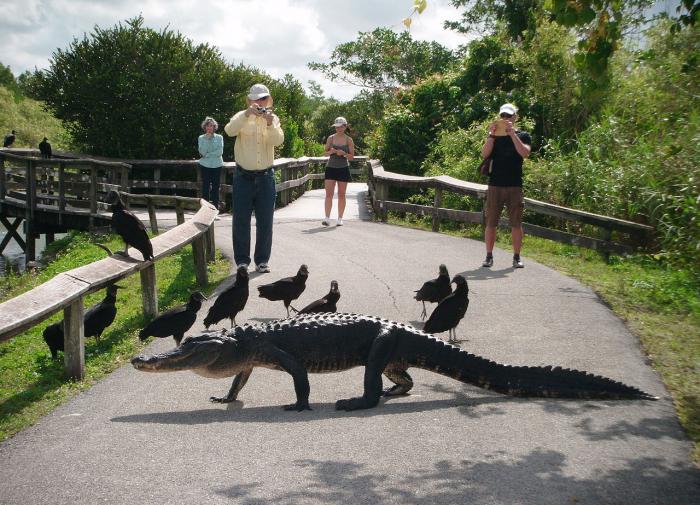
x,y
196,353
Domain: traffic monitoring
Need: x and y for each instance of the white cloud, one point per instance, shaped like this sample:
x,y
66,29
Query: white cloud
x,y
276,36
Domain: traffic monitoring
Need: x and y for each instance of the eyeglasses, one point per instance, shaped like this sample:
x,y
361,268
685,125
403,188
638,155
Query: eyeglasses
x,y
505,115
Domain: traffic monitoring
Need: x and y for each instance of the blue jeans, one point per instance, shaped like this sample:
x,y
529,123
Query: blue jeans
x,y
210,184
253,192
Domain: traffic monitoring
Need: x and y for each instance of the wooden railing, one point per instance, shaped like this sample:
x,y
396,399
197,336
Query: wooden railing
x,y
380,180
67,290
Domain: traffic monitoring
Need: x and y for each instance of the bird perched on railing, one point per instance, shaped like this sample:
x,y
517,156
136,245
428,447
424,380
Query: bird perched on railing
x,y
96,319
325,304
9,139
175,322
231,301
450,311
129,227
45,148
287,289
434,290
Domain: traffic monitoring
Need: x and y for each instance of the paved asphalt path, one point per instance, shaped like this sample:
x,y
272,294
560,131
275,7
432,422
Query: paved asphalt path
x,y
138,438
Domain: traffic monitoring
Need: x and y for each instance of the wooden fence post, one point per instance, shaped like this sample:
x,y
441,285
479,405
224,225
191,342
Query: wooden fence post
x,y
284,196
200,260
156,180
74,340
93,195
211,245
179,212
152,216
148,291
3,179
61,191
436,209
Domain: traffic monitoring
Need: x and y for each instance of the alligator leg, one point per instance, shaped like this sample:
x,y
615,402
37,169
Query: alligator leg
x,y
293,367
379,356
403,382
238,383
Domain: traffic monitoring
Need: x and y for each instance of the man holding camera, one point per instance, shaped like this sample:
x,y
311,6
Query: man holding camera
x,y
507,148
258,132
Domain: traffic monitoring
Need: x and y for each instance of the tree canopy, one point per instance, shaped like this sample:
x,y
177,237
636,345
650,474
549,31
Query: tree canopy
x,y
130,91
384,60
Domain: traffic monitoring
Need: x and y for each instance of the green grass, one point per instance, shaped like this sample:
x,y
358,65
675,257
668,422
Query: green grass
x,y
31,383
659,303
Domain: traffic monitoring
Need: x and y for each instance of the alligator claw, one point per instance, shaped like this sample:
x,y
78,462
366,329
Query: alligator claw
x,y
223,399
354,404
297,406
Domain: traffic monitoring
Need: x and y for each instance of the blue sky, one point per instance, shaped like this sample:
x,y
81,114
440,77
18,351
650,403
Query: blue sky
x,y
277,36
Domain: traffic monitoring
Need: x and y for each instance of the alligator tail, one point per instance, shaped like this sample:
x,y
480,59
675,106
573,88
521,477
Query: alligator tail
x,y
525,381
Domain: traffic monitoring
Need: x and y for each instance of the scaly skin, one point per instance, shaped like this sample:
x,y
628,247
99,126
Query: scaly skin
x,y
332,342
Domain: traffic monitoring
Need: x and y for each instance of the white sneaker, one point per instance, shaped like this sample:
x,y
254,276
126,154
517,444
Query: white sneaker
x,y
263,268
242,265
339,222
326,221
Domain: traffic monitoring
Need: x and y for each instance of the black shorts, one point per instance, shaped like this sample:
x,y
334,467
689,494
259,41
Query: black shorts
x,y
341,174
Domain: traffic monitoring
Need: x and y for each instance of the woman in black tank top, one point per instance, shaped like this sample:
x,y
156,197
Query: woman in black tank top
x,y
340,150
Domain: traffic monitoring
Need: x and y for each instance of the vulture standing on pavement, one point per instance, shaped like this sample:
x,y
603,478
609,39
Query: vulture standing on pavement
x,y
325,304
231,301
450,310
97,318
434,290
129,227
175,322
287,289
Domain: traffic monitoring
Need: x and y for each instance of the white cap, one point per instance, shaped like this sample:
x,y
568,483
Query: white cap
x,y
258,91
508,108
340,121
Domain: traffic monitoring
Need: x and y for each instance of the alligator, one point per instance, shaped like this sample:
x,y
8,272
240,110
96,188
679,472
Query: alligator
x,y
333,342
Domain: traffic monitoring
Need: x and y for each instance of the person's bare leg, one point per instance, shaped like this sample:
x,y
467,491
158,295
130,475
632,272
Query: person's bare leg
x,y
330,189
490,238
342,186
517,236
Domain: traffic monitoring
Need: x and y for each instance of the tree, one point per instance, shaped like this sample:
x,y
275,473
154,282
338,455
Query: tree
x,y
384,60
133,92
478,16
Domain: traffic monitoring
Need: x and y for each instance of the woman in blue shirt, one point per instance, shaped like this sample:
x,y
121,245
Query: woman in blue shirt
x,y
211,148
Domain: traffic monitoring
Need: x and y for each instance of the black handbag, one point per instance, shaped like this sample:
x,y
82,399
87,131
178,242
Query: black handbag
x,y
485,167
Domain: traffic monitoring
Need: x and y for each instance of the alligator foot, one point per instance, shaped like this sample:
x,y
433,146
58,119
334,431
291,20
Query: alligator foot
x,y
297,406
222,399
396,390
355,404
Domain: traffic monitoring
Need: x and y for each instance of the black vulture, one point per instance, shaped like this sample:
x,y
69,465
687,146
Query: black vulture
x,y
9,139
325,304
45,148
231,301
450,310
175,322
435,290
101,315
53,336
129,227
287,289
96,319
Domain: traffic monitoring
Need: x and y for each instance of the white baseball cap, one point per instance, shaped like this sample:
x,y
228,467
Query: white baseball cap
x,y
258,91
508,108
340,121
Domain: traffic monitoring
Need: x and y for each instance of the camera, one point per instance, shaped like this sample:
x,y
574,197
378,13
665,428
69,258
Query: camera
x,y
264,110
